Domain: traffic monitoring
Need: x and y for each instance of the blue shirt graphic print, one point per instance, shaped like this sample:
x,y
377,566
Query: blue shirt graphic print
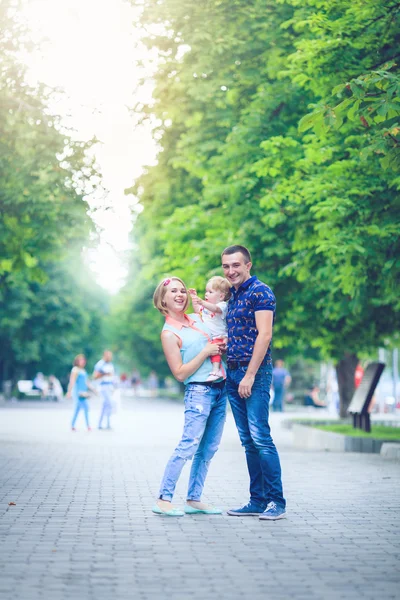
x,y
252,296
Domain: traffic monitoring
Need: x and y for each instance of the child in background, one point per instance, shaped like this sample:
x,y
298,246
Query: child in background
x,y
213,313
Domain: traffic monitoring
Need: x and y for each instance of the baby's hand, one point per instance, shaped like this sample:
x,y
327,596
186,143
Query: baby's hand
x,y
195,299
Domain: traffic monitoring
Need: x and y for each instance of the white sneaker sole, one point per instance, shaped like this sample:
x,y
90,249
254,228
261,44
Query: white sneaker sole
x,y
265,518
232,513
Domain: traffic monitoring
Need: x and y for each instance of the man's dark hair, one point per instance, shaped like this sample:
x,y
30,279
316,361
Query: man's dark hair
x,y
241,249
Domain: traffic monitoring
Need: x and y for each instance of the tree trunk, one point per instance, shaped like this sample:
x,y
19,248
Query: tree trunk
x,y
345,370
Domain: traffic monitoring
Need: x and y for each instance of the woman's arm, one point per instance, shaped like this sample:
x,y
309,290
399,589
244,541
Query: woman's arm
x,y
91,387
181,371
72,379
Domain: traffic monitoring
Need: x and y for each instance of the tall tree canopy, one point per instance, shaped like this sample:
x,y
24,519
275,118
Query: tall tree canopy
x,y
49,312
279,129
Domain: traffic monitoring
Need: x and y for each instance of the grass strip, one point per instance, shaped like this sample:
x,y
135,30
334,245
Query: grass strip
x,y
378,432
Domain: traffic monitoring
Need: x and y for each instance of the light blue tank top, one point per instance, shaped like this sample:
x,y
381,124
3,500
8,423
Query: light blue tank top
x,y
81,382
192,343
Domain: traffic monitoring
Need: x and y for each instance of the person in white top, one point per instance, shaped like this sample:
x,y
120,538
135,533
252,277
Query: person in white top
x,y
104,371
213,313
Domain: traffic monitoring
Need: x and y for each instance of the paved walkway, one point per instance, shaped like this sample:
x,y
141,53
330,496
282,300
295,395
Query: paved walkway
x,y
82,526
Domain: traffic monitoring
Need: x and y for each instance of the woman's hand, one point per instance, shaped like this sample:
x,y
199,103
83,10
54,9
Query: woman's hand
x,y
223,345
171,347
211,349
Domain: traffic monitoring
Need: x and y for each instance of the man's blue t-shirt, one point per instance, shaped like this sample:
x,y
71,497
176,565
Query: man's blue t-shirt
x,y
252,296
279,375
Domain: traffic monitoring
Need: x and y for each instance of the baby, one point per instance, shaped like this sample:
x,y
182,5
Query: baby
x,y
213,312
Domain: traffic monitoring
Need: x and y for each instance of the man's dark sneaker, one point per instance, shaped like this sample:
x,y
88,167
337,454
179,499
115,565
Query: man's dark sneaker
x,y
248,510
273,512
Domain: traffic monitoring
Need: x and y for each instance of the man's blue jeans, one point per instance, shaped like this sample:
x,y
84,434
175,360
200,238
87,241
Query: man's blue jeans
x,y
106,390
205,411
277,404
251,418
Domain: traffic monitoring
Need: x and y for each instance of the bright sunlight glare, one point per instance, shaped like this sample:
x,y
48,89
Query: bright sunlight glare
x,y
91,51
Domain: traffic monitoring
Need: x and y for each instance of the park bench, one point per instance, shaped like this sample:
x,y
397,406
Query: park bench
x,y
25,390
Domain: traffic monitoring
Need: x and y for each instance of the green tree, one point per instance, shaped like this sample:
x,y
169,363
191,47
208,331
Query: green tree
x,y
48,311
44,325
238,162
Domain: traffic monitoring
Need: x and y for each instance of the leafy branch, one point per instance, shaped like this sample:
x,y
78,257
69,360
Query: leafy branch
x,y
373,100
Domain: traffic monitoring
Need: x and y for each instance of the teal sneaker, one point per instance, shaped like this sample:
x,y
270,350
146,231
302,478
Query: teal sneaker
x,y
273,512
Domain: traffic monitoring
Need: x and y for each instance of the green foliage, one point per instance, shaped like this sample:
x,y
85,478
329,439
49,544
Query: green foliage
x,y
135,326
373,100
314,195
44,176
44,325
49,311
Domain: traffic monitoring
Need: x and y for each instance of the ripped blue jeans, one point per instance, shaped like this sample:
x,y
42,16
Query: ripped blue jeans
x,y
205,411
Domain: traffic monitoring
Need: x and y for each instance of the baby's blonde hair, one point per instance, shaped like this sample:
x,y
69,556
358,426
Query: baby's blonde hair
x,y
161,290
220,284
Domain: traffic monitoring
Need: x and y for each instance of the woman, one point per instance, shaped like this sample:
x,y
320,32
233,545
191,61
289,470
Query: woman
x,y
187,347
78,388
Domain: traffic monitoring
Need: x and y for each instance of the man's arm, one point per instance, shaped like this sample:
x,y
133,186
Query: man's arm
x,y
288,380
264,322
98,374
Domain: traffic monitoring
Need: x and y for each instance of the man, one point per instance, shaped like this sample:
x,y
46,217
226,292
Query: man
x,y
280,380
104,371
250,318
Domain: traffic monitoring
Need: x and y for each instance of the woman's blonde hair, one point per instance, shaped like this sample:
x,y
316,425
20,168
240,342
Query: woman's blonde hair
x,y
161,290
78,358
220,284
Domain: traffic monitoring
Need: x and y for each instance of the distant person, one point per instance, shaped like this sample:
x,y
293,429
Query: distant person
x,y
78,389
124,382
187,346
135,380
40,384
280,380
55,389
213,313
311,398
104,372
358,375
152,383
